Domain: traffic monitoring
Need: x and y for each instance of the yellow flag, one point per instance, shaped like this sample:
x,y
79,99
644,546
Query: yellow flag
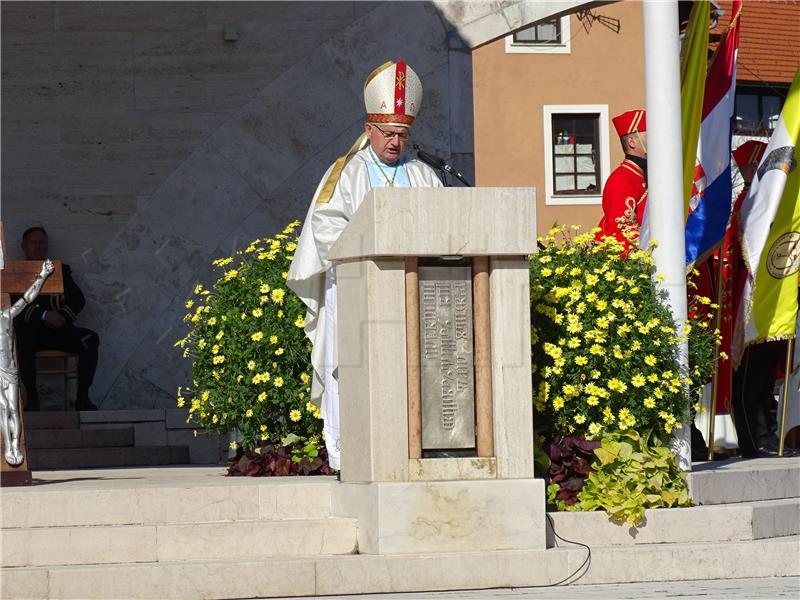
x,y
694,60
770,224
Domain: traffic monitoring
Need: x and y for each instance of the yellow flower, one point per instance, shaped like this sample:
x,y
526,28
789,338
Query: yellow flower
x,y
220,335
257,312
649,402
295,415
277,295
650,360
570,391
264,289
723,356
189,303
285,274
214,419
279,351
212,321
273,339
304,377
596,349
219,359
617,385
558,403
592,401
278,382
280,314
215,349
257,336
608,415
201,343
234,445
300,321
638,380
251,365
581,360
595,428
248,413
263,299
261,397
263,428
231,274
580,419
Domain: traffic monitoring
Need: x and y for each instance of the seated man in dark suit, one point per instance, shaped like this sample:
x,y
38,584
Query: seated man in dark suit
x,y
48,324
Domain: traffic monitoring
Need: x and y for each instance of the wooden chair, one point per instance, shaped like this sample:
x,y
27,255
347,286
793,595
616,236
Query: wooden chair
x,y
67,370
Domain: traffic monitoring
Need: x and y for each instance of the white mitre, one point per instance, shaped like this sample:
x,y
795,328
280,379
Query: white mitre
x,y
393,94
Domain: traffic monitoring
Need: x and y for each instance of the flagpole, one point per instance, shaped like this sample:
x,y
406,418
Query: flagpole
x,y
715,379
785,399
665,175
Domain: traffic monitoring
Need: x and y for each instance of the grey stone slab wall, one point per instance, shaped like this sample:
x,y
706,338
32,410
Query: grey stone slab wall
x,y
148,146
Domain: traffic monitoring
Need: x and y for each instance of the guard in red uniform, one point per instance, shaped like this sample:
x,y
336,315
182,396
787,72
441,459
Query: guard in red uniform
x,y
625,191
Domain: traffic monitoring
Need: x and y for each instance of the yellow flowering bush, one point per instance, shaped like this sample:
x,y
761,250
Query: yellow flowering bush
x,y
604,346
251,368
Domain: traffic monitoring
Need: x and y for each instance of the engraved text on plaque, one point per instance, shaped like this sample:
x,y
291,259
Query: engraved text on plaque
x,y
446,361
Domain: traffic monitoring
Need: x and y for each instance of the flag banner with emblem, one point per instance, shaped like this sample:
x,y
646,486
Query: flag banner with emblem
x,y
770,228
694,60
710,202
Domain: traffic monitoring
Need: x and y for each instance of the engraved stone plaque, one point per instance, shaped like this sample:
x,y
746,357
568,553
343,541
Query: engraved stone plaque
x,y
446,361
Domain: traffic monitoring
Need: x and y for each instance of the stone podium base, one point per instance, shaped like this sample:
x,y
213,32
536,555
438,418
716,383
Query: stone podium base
x,y
445,516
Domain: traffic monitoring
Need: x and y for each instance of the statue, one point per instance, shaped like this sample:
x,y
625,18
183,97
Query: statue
x,y
9,378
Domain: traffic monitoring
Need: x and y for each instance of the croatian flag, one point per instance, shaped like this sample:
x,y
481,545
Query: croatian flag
x,y
710,204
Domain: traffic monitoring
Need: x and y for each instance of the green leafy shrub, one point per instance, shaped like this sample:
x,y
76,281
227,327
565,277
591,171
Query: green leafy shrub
x,y
251,367
632,473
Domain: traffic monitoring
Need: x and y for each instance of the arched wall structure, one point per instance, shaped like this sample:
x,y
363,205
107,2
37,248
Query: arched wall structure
x,y
148,146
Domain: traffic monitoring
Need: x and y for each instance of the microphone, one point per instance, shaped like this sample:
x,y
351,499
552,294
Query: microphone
x,y
440,163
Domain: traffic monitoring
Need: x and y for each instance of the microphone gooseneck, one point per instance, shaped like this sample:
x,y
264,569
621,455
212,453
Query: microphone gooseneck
x,y
439,163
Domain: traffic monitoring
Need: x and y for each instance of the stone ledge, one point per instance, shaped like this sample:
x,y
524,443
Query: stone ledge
x,y
353,574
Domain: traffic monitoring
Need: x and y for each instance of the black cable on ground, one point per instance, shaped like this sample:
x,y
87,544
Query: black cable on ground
x,y
586,562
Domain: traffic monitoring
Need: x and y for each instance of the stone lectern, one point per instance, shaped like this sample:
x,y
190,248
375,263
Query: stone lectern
x,y
435,371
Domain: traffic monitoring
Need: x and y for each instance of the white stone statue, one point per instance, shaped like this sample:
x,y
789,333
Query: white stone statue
x,y
9,378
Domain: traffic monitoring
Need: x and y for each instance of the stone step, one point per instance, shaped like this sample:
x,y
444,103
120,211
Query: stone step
x,y
738,480
352,574
715,523
44,546
51,420
89,458
166,495
79,438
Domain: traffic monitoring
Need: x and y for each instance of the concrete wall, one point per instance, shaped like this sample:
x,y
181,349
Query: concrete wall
x,y
147,145
510,90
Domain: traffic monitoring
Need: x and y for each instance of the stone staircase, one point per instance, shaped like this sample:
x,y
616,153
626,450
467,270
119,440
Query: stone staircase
x,y
190,532
115,438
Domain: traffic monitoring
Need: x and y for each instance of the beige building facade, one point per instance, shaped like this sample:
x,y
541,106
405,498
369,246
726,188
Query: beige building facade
x,y
543,111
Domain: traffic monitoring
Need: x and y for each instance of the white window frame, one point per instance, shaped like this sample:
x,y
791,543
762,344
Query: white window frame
x,y
549,110
563,48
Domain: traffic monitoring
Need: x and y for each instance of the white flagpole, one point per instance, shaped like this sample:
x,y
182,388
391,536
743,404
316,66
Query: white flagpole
x,y
665,172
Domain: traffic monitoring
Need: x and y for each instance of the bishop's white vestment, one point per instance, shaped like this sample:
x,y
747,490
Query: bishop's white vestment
x,y
313,278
